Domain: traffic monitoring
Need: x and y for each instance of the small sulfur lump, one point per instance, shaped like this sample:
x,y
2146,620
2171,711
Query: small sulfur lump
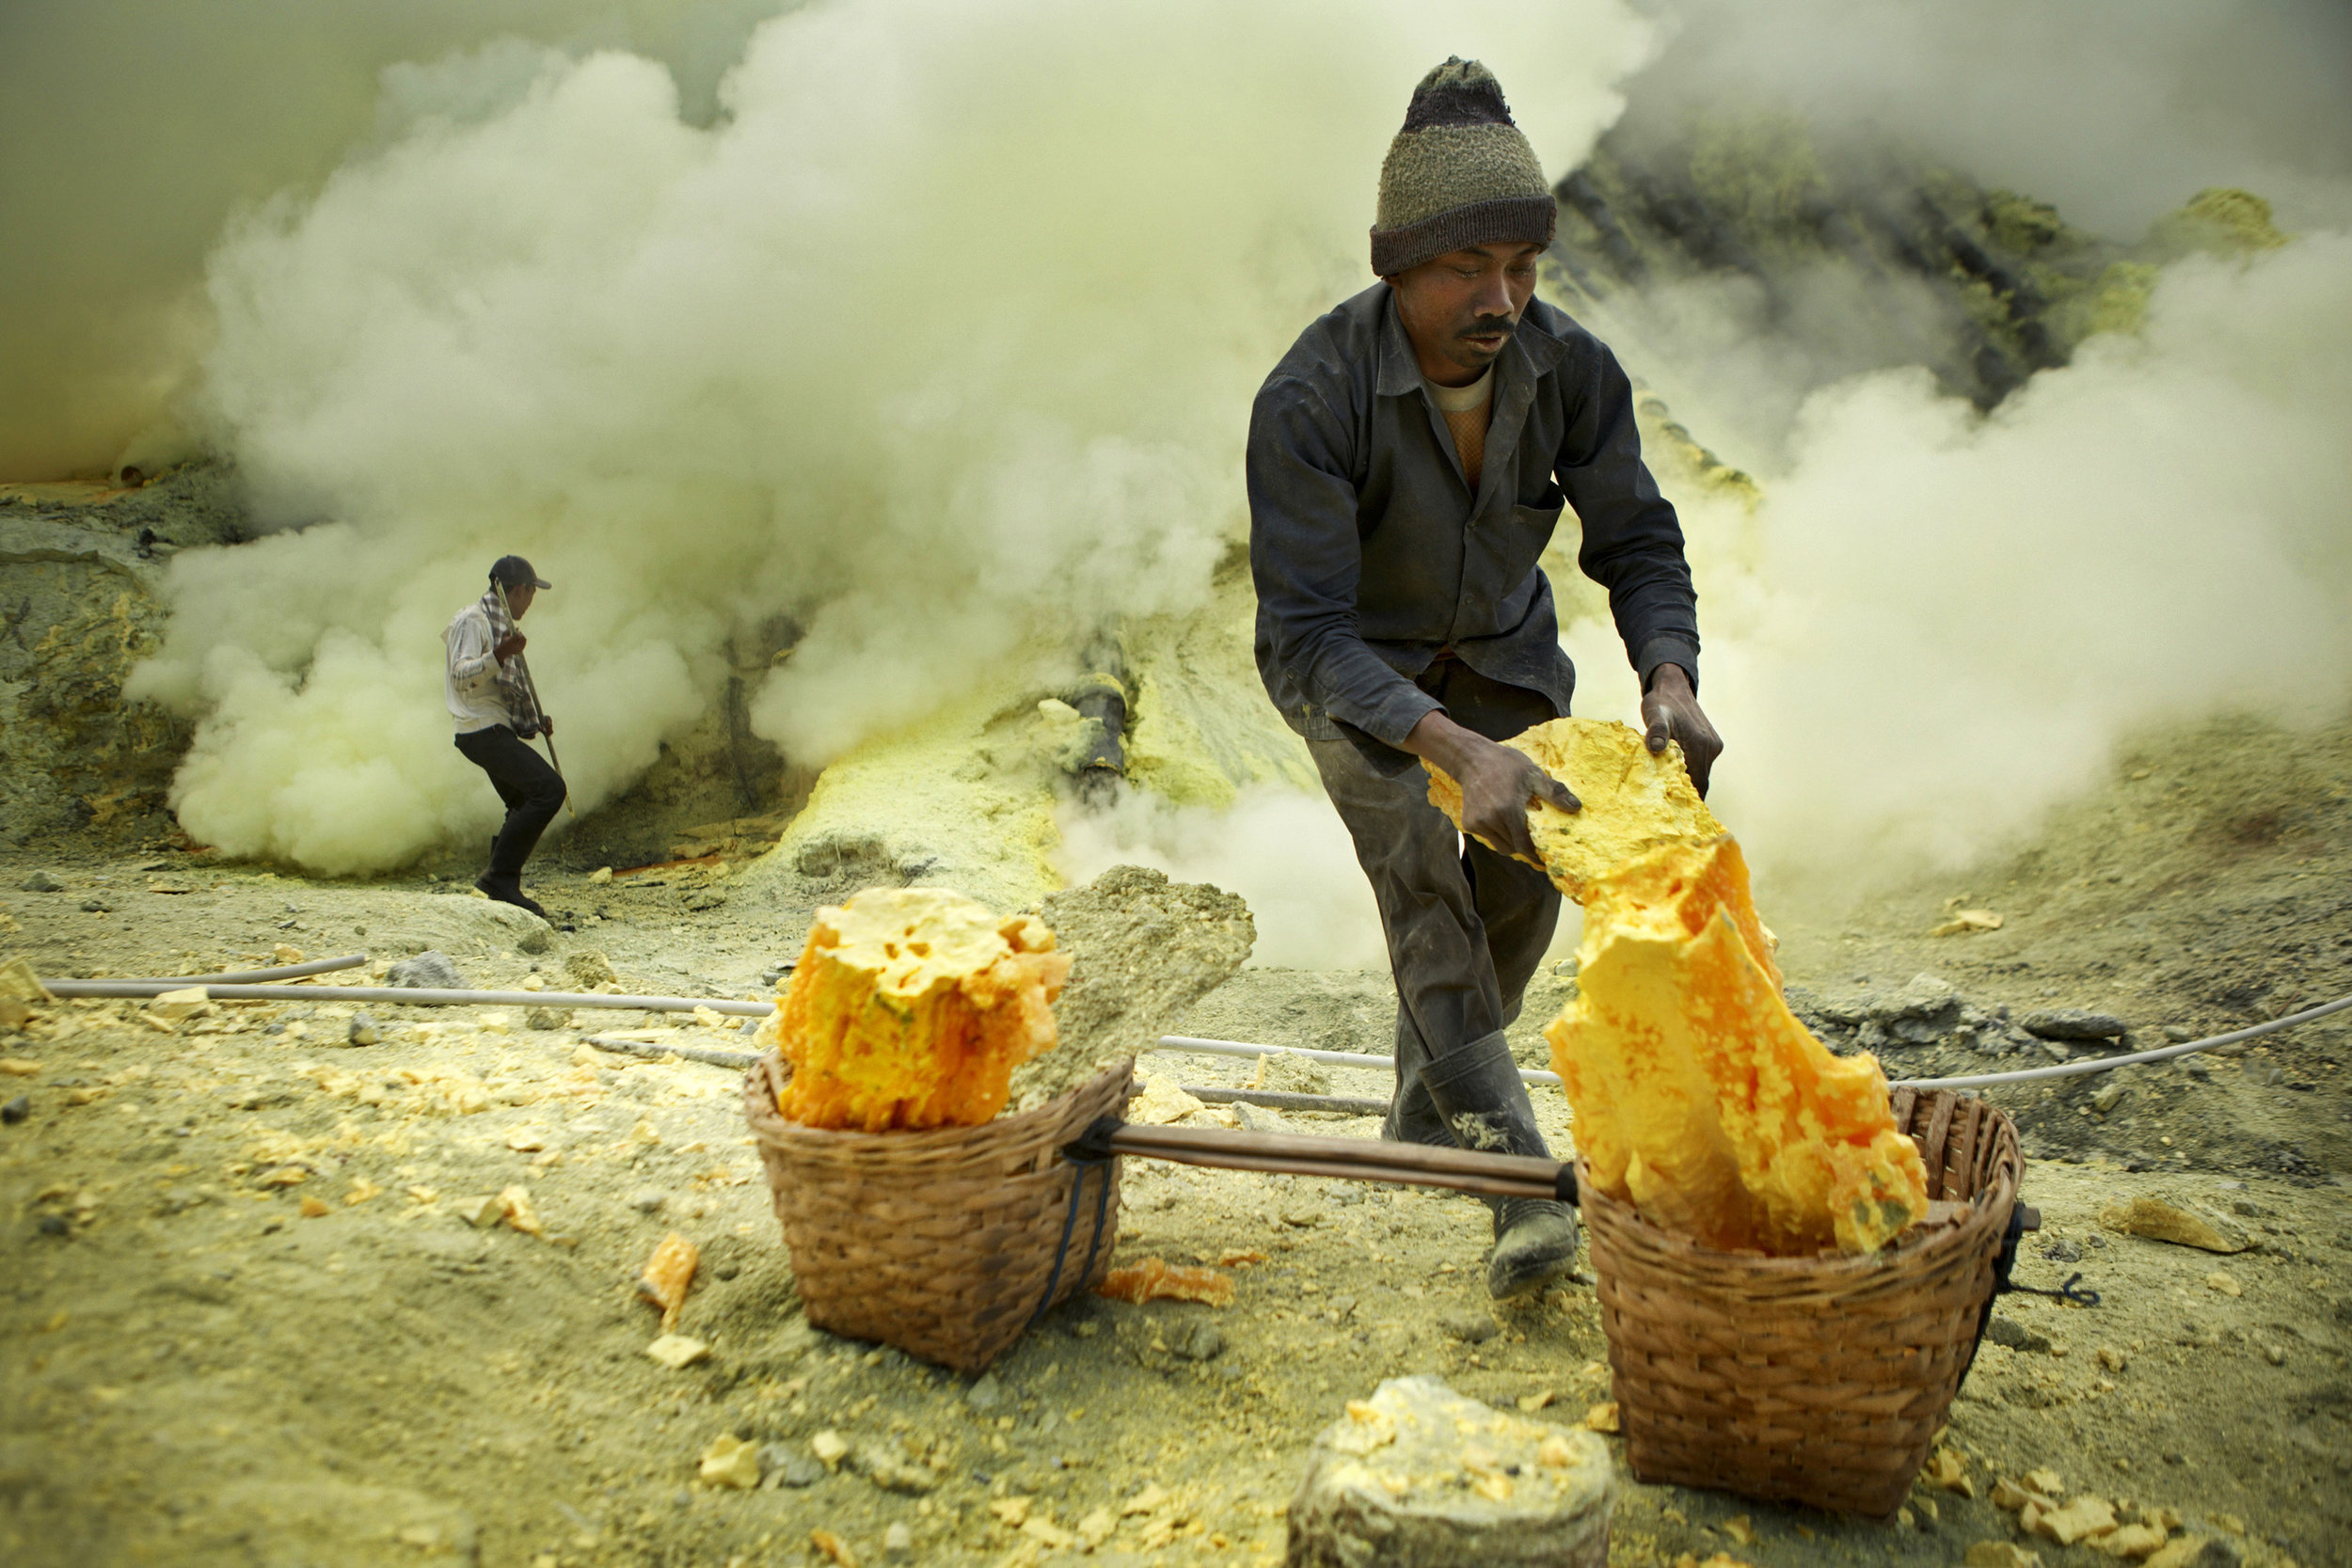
x,y
910,1008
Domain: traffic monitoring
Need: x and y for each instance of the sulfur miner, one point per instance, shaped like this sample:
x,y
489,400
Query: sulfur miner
x,y
495,705
1409,461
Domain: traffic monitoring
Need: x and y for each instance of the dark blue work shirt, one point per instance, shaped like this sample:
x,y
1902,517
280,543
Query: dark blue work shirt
x,y
1371,554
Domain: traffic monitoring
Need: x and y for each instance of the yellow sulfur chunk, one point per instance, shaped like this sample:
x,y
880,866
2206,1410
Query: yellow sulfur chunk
x,y
1634,801
910,1008
1698,1095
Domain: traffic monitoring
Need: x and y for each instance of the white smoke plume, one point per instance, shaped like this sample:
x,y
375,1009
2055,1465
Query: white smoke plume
x,y
1947,621
940,338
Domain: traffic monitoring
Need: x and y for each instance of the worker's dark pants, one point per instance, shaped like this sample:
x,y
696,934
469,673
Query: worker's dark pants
x,y
534,793
1466,926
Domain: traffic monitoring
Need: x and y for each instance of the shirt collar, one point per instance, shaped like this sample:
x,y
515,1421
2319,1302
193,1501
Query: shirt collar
x,y
1527,356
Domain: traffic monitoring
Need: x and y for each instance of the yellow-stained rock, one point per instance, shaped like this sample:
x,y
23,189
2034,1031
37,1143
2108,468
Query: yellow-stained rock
x,y
1698,1095
1947,1472
19,983
668,1274
910,1007
1634,801
2159,1221
2084,1519
730,1461
2131,1543
2012,1495
2001,1554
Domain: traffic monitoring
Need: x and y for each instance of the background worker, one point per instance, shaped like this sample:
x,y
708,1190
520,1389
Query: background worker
x,y
1408,461
497,709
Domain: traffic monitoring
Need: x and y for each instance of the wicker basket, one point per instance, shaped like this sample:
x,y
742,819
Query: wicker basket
x,y
1815,1380
947,1243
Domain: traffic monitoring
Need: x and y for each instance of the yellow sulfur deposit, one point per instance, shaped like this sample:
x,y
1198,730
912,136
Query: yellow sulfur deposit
x,y
910,1008
1634,801
1698,1094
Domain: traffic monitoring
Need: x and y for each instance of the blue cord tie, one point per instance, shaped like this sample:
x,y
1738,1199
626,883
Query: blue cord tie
x,y
1091,1152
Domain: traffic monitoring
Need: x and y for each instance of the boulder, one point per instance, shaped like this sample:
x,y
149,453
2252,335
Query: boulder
x,y
2071,1023
1419,1477
1922,999
2159,1221
588,970
427,971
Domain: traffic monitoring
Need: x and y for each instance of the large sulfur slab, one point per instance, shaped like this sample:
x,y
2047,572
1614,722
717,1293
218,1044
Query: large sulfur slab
x,y
1698,1095
910,1008
1634,801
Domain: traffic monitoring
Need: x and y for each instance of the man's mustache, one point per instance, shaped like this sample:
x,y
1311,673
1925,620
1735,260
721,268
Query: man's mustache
x,y
1486,325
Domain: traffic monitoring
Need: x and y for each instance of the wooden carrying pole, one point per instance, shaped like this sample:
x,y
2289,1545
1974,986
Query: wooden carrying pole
x,y
1342,1158
1375,1159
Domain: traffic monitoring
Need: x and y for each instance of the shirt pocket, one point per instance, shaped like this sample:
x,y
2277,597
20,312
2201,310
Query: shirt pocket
x,y
1523,539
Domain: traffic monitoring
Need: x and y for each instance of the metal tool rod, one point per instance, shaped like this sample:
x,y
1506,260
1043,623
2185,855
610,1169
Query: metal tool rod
x,y
737,1059
1275,1100
1333,1058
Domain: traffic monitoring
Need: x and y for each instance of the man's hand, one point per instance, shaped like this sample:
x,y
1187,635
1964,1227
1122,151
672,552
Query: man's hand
x,y
546,724
509,645
1498,784
1670,711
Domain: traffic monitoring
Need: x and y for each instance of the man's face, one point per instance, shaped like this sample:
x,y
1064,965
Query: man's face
x,y
1461,308
519,599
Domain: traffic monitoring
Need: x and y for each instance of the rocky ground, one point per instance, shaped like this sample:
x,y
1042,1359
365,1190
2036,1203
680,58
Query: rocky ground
x,y
247,1318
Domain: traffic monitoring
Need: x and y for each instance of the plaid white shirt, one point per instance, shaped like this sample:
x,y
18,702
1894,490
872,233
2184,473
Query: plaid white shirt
x,y
481,692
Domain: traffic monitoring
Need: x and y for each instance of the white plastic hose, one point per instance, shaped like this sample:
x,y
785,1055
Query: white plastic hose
x,y
417,997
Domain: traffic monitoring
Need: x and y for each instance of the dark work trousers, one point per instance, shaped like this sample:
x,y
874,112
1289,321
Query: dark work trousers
x,y
534,793
1466,926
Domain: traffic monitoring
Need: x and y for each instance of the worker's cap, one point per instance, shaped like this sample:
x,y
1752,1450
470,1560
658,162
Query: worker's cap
x,y
513,571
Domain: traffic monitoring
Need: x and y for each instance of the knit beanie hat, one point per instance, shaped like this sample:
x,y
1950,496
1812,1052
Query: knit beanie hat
x,y
1459,174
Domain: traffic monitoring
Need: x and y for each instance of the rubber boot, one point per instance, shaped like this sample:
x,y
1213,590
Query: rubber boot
x,y
1413,1117
508,890
1478,1092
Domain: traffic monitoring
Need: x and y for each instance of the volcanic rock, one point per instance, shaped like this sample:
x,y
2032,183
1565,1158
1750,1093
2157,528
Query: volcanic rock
x,y
427,971
1419,1477
2071,1023
2159,1221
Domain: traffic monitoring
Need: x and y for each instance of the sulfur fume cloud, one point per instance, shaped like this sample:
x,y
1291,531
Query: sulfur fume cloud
x,y
1943,622
938,339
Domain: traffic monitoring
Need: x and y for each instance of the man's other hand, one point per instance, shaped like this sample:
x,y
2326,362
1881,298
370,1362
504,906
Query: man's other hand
x,y
509,645
1498,784
546,724
1670,711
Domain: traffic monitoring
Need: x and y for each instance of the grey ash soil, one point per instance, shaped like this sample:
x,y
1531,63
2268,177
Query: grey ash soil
x,y
192,1372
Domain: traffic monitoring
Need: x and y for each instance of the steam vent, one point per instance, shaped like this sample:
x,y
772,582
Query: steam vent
x,y
873,396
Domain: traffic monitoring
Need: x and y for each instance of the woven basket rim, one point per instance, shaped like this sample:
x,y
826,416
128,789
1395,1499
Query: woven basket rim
x,y
770,1126
1912,1243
